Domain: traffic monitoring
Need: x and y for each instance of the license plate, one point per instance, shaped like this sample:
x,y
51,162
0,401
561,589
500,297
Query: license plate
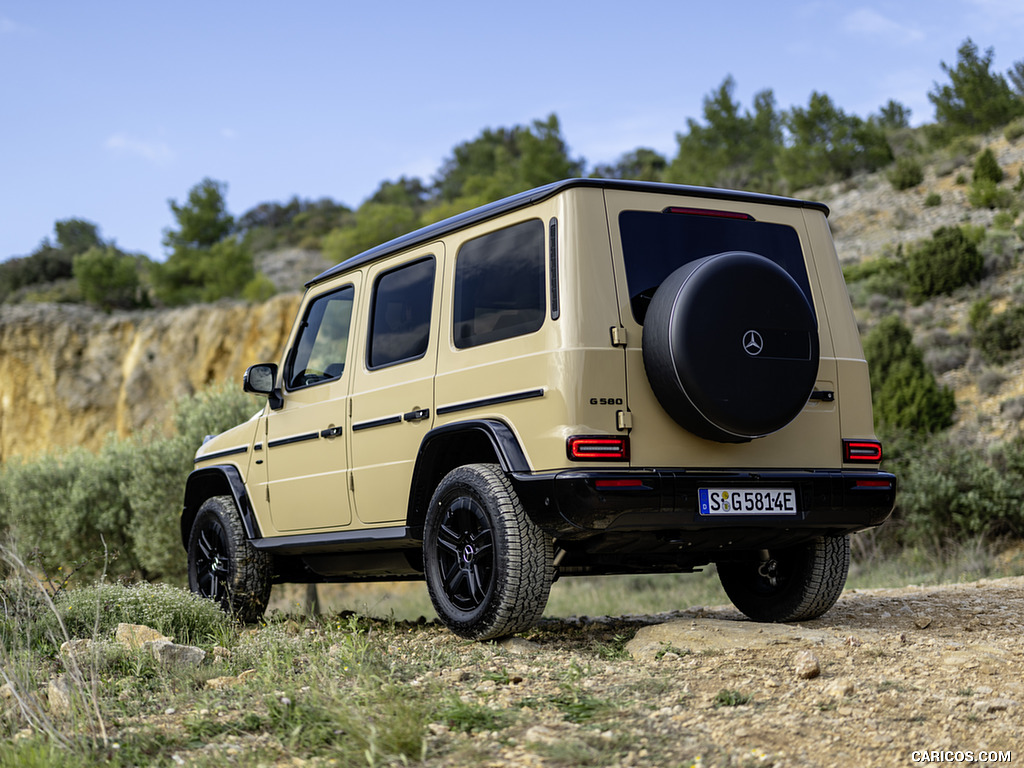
x,y
747,501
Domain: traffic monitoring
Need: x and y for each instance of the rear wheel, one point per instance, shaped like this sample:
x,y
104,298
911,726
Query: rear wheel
x,y
488,567
792,584
223,565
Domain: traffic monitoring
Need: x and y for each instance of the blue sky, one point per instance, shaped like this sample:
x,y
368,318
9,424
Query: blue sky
x,y
109,109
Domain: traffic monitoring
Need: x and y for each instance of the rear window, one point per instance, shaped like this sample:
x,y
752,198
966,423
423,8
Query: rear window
x,y
655,244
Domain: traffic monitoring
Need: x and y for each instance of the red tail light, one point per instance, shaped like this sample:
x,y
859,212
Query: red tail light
x,y
710,212
862,451
580,448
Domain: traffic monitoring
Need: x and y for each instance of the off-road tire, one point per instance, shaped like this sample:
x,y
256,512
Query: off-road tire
x,y
810,579
223,565
488,567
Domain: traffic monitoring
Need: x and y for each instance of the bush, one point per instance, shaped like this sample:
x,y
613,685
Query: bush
x,y
933,200
949,260
905,394
1014,130
1000,338
952,492
885,276
986,167
906,173
174,612
987,194
108,278
116,511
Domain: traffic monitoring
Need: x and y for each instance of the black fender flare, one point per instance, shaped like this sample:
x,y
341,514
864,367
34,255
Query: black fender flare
x,y
487,433
217,480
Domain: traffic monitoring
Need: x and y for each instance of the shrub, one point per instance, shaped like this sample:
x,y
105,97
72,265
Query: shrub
x,y
905,394
951,492
174,612
108,278
1000,338
986,167
884,276
987,194
949,260
116,511
933,200
906,173
1014,130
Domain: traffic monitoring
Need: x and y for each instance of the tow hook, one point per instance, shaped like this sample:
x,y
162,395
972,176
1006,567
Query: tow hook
x,y
769,568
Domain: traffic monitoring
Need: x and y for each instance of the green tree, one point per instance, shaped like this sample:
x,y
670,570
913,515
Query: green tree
x,y
207,262
733,148
203,220
504,161
894,116
825,144
904,392
49,262
108,278
976,99
986,167
642,164
375,223
75,236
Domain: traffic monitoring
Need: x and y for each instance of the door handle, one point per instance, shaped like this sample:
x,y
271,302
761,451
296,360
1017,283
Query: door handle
x,y
331,432
418,415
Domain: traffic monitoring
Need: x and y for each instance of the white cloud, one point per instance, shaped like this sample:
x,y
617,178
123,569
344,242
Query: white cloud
x,y
155,151
867,21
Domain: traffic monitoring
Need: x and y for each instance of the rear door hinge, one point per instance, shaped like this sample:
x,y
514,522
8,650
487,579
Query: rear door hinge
x,y
618,336
623,420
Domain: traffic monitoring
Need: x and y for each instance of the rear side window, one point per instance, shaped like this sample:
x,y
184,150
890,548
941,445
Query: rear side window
x,y
499,285
400,314
655,244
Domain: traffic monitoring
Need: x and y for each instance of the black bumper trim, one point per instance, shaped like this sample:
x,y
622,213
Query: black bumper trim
x,y
572,504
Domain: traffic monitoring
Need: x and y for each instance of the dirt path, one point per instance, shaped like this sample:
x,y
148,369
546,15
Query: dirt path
x,y
889,677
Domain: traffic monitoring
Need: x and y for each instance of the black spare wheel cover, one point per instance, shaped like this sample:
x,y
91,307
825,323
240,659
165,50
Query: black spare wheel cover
x,y
730,346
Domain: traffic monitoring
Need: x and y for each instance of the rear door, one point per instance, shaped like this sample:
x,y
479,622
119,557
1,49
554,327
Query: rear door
x,y
652,236
392,405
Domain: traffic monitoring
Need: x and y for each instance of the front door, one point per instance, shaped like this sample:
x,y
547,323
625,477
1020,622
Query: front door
x,y
306,454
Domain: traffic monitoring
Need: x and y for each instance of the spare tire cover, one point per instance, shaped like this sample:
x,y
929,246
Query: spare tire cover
x,y
730,346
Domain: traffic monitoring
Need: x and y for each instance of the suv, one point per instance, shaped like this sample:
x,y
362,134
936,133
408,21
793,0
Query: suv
x,y
592,377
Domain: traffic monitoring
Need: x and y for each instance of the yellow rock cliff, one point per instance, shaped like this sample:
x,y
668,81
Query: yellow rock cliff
x,y
70,375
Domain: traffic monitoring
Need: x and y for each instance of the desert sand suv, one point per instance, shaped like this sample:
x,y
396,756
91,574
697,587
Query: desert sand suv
x,y
592,377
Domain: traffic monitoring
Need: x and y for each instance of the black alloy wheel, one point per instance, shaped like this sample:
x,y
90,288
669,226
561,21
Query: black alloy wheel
x,y
488,567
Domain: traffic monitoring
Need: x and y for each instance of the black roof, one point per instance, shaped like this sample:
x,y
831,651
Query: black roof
x,y
524,199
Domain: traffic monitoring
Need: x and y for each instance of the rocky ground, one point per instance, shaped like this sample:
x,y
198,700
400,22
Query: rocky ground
x,y
886,674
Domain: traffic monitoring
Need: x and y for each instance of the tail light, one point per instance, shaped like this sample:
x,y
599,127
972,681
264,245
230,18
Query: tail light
x,y
709,212
862,451
584,448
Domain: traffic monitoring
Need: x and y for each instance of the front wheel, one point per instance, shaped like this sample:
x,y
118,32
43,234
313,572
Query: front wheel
x,y
488,567
791,584
223,565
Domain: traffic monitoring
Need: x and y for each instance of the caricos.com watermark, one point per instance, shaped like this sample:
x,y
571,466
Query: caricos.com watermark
x,y
960,756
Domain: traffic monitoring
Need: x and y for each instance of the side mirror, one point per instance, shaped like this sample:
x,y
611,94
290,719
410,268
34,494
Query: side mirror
x,y
260,379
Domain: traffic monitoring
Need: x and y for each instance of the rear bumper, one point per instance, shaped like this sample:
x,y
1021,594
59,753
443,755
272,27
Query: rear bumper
x,y
581,504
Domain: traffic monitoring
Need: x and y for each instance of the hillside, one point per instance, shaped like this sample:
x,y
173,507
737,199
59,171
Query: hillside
x,y
70,375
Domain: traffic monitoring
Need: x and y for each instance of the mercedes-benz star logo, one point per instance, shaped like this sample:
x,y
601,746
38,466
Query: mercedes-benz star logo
x,y
752,343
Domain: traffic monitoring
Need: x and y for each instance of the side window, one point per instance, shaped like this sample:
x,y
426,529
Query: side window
x,y
400,314
319,352
499,285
